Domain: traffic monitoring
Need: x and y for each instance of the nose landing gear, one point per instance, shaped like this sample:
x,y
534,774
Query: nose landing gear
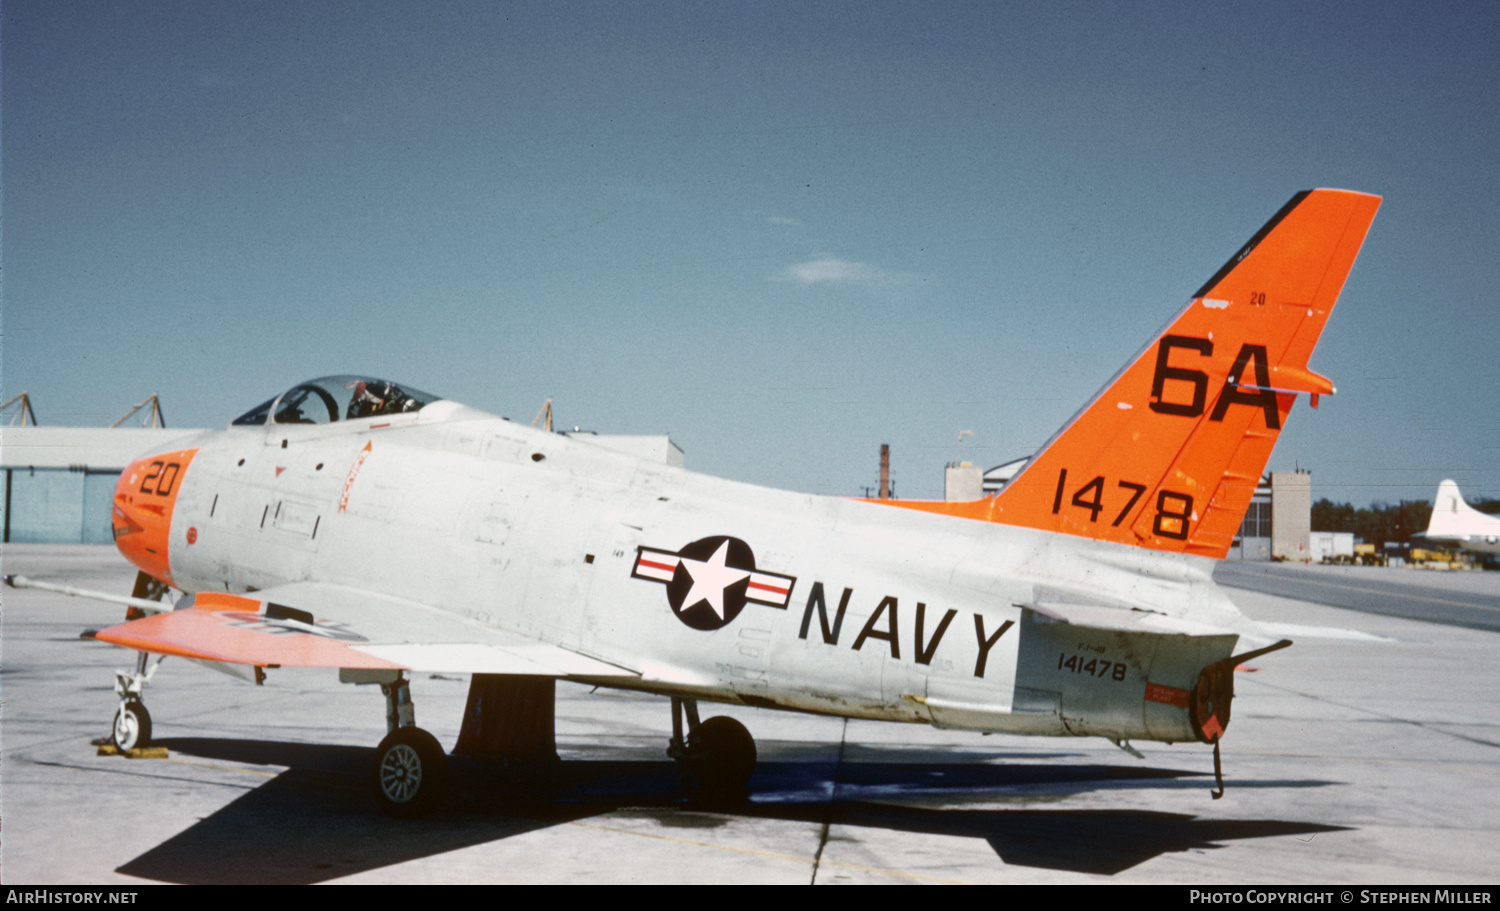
x,y
131,729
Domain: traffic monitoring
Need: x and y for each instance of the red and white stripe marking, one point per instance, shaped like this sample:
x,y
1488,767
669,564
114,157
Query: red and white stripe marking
x,y
770,589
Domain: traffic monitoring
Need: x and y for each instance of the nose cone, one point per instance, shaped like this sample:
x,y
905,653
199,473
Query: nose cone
x,y
142,515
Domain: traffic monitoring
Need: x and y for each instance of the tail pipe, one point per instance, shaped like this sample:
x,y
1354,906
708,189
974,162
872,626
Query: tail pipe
x,y
1208,705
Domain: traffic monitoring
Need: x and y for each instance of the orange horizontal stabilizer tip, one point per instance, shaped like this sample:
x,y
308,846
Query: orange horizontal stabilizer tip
x,y
1169,454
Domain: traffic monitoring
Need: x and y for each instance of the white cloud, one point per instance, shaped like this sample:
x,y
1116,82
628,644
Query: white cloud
x,y
837,272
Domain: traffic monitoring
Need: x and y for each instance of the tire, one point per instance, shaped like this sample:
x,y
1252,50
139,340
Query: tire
x,y
132,727
721,755
409,774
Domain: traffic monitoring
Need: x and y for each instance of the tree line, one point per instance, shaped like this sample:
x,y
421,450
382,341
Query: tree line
x,y
1380,523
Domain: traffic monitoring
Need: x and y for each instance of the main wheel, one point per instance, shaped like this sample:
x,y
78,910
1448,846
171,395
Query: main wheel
x,y
410,773
132,728
721,755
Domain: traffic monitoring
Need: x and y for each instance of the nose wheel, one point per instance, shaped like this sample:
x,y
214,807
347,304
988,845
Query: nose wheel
x,y
132,727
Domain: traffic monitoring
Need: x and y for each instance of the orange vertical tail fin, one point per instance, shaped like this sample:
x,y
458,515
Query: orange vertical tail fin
x,y
1169,454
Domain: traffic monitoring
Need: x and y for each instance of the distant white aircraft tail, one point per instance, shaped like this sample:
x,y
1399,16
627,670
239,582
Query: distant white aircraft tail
x,y
1452,517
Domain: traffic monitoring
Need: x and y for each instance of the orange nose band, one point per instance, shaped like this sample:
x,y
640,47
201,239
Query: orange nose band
x,y
142,515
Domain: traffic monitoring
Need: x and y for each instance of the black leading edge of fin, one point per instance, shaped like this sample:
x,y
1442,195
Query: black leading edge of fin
x,y
1260,235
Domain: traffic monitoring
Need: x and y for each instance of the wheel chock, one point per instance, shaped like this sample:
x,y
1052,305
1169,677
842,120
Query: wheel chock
x,y
109,749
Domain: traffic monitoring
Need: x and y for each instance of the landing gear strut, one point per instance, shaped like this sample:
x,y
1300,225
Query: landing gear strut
x,y
410,771
718,754
131,729
132,725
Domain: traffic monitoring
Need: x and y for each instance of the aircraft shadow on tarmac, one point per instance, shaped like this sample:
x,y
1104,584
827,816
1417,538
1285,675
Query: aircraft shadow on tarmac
x,y
317,821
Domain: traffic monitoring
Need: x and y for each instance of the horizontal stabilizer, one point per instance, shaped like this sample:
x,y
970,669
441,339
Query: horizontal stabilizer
x,y
1123,619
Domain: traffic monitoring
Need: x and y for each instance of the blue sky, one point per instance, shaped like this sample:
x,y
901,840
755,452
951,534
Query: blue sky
x,y
782,233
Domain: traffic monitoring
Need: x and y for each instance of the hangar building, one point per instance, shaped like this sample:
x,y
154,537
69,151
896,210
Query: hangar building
x,y
59,480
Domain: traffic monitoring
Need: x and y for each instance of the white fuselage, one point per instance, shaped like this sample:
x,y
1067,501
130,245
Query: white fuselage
x,y
539,534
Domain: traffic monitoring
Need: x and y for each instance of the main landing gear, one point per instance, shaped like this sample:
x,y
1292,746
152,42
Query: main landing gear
x,y
718,754
410,771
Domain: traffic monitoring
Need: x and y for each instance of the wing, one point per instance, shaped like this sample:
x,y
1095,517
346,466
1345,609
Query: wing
x,y
306,624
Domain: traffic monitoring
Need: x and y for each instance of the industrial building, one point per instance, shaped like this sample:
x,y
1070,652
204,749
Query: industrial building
x,y
1278,523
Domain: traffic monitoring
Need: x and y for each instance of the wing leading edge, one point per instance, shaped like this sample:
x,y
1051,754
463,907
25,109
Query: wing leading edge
x,y
313,625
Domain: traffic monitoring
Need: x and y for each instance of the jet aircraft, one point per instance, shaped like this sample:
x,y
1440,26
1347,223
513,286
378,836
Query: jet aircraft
x,y
1456,522
365,526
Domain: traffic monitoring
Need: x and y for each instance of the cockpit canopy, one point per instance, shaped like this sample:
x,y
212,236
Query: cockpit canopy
x,y
337,398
